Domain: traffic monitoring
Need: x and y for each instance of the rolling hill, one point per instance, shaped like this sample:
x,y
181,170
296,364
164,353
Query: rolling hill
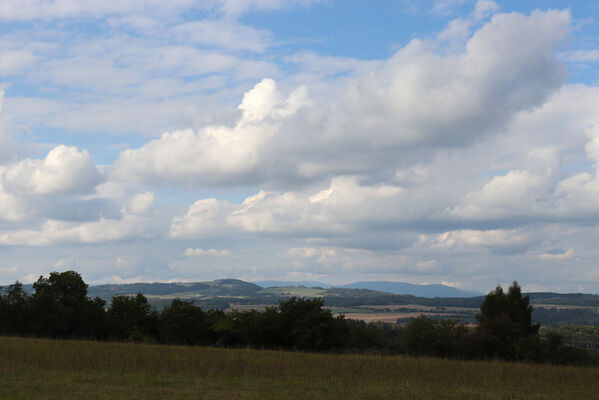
x,y
437,290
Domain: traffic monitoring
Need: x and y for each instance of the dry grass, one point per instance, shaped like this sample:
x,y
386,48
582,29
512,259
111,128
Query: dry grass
x,y
56,369
391,316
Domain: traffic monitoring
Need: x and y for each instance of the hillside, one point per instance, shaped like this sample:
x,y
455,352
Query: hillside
x,y
216,288
435,290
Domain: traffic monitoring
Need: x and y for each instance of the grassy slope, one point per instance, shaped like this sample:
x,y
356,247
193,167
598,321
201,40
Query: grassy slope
x,y
54,369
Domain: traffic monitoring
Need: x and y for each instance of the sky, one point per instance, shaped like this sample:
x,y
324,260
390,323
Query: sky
x,y
432,141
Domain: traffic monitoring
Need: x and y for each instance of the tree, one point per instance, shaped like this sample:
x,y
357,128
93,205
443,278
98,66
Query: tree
x,y
68,288
183,323
14,310
425,336
306,325
61,307
505,325
131,318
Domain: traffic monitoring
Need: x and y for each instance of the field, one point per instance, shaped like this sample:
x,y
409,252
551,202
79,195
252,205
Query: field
x,y
57,369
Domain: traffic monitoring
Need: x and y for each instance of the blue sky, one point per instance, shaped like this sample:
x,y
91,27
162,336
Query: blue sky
x,y
431,141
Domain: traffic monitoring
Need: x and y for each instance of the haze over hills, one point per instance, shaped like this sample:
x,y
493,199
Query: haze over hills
x,y
312,284
434,290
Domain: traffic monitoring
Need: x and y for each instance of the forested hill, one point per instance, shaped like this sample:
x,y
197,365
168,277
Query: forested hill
x,y
216,288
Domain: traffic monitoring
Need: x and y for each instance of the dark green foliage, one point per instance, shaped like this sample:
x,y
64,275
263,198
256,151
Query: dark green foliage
x,y
306,325
570,299
15,313
60,307
435,337
372,337
557,316
505,327
131,318
183,323
297,323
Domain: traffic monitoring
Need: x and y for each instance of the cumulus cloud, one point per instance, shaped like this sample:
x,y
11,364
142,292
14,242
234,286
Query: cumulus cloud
x,y
53,231
513,194
420,98
141,203
47,184
336,210
104,230
214,154
456,150
64,170
543,192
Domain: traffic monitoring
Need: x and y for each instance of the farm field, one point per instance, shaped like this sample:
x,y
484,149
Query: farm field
x,y
59,369
389,317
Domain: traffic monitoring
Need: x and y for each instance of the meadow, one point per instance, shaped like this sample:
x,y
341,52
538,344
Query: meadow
x,y
61,369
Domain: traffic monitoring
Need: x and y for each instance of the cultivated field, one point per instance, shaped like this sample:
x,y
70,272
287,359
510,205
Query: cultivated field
x,y
57,369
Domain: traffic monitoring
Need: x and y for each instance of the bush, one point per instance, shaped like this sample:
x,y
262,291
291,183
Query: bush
x,y
425,336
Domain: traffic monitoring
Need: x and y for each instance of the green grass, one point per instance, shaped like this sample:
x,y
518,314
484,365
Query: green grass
x,y
58,369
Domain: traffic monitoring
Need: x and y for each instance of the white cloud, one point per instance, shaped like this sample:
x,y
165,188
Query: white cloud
x,y
215,153
224,34
64,170
558,256
141,203
340,208
237,7
11,207
101,231
7,143
494,238
427,265
513,194
51,9
210,252
417,100
302,252
484,8
8,270
466,138
204,218
581,56
14,61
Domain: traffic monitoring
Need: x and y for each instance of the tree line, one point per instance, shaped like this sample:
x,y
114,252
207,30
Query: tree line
x,y
60,308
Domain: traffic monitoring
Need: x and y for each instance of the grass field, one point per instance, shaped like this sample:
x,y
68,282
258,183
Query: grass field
x,y
57,369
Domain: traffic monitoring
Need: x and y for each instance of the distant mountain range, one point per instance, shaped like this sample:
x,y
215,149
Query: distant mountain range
x,y
429,291
238,288
436,290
